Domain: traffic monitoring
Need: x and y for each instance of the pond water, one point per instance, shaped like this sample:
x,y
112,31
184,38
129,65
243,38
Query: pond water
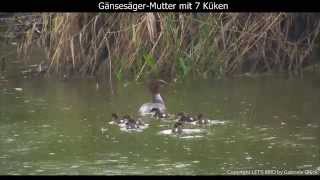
x,y
50,127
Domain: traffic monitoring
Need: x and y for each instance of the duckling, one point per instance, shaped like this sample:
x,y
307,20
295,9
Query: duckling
x,y
131,124
116,119
177,127
134,124
128,123
200,119
139,123
185,118
157,114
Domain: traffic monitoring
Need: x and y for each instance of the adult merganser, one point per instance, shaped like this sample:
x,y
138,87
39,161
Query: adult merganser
x,y
157,101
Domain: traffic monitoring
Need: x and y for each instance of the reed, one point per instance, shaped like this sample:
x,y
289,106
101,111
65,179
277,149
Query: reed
x,y
138,45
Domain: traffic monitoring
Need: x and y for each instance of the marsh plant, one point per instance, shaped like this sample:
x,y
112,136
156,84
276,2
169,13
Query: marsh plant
x,y
174,45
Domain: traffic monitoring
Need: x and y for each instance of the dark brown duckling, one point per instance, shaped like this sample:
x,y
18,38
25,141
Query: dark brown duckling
x,y
115,117
201,120
133,123
185,118
177,127
118,120
158,114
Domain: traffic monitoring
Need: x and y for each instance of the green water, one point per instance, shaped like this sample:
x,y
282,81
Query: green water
x,y
54,127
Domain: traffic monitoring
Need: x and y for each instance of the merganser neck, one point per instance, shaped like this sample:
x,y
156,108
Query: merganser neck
x,y
157,99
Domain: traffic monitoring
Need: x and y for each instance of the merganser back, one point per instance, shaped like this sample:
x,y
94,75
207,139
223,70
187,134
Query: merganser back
x,y
157,101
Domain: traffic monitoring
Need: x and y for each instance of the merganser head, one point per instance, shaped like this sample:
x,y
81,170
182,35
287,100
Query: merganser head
x,y
155,85
177,124
177,127
114,116
199,117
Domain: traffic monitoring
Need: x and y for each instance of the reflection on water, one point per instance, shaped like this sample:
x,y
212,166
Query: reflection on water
x,y
49,126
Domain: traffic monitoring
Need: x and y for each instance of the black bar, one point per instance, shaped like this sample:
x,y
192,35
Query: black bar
x,y
203,6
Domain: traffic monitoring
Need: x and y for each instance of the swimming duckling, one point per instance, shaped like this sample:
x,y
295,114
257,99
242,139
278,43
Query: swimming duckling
x,y
116,119
157,114
133,124
177,127
201,120
185,118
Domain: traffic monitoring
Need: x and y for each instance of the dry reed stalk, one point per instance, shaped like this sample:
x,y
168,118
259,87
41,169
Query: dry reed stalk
x,y
205,43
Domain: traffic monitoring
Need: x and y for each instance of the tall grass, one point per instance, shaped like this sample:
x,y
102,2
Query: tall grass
x,y
174,45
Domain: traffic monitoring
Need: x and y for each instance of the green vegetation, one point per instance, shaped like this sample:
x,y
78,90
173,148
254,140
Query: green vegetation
x,y
173,45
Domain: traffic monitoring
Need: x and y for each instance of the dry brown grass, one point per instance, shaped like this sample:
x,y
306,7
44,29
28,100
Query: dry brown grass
x,y
172,44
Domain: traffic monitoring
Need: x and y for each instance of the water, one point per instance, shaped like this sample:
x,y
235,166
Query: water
x,y
49,126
